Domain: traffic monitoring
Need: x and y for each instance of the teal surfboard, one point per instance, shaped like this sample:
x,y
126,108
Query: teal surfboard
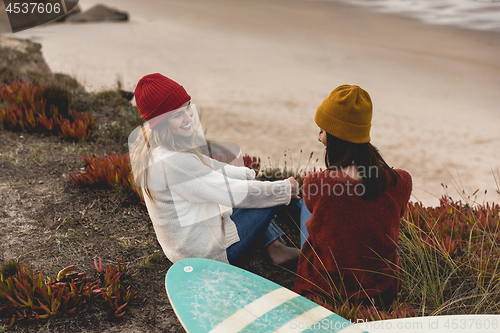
x,y
210,296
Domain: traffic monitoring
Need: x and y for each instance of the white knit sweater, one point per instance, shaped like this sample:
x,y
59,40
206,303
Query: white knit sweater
x,y
190,211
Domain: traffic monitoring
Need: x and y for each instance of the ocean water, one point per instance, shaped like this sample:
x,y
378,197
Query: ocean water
x,y
470,14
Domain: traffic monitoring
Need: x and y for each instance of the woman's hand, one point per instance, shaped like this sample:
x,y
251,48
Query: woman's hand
x,y
295,188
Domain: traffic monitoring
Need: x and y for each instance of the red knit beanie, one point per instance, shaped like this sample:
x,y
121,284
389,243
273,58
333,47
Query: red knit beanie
x,y
156,94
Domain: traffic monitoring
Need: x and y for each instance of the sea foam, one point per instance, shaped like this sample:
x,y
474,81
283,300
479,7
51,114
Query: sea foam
x,y
471,14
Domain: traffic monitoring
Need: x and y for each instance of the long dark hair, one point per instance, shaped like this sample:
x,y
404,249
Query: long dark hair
x,y
371,166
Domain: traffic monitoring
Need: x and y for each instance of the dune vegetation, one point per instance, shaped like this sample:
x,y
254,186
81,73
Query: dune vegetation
x,y
68,200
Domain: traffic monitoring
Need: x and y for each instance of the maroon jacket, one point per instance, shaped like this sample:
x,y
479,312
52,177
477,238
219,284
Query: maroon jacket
x,y
352,244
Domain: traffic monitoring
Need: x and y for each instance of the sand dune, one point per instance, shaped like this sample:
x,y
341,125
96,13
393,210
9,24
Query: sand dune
x,y
258,70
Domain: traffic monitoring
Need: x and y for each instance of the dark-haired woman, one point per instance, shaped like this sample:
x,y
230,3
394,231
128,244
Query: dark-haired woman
x,y
356,205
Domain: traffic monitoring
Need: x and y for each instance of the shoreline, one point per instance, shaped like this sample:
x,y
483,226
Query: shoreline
x,y
258,73
461,14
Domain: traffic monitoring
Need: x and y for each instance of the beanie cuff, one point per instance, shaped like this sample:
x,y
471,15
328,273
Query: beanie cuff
x,y
345,131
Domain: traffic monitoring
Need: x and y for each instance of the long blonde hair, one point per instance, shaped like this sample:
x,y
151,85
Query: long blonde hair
x,y
152,138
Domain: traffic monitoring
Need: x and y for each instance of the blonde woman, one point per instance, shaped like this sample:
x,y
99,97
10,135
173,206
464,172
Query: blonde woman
x,y
199,207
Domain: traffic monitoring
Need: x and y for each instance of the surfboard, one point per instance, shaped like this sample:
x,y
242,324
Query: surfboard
x,y
210,296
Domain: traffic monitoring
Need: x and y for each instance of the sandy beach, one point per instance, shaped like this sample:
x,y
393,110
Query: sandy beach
x,y
258,70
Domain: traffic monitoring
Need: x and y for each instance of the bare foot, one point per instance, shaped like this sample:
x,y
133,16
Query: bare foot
x,y
281,254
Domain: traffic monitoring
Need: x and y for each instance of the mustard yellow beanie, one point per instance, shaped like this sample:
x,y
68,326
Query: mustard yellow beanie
x,y
346,114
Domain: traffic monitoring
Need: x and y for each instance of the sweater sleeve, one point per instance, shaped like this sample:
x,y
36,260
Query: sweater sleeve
x,y
404,189
198,183
231,171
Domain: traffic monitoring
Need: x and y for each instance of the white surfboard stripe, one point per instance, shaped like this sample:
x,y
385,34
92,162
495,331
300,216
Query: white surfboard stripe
x,y
305,320
250,312
352,329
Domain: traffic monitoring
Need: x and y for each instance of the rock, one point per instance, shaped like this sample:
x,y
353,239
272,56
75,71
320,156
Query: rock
x,y
4,19
128,95
64,80
99,13
21,58
5,26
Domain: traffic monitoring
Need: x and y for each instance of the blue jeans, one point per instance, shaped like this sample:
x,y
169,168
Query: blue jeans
x,y
303,213
304,216
253,224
